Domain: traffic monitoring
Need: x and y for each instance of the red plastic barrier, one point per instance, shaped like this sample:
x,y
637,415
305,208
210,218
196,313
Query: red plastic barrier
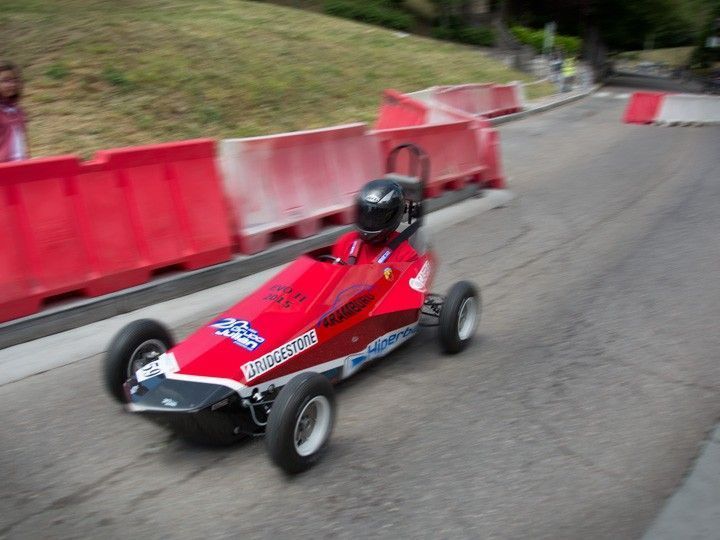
x,y
290,182
489,100
470,98
489,144
174,200
455,157
102,226
42,248
643,107
399,110
505,100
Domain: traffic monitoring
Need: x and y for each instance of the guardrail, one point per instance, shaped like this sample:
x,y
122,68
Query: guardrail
x,y
101,226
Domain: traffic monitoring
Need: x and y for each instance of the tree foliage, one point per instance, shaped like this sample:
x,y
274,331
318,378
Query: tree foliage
x,y
623,24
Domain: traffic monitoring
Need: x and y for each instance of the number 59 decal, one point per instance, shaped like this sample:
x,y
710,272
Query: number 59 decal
x,y
166,363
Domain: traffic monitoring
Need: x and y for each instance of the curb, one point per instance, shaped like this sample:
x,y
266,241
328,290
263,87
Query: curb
x,y
692,511
89,310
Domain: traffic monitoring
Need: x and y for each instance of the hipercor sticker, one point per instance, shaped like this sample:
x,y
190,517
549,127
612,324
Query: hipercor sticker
x,y
380,347
280,355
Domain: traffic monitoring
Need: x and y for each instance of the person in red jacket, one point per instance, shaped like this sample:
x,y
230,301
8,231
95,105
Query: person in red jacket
x,y
380,206
13,133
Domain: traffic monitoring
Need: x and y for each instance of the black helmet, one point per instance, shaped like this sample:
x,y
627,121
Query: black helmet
x,y
380,208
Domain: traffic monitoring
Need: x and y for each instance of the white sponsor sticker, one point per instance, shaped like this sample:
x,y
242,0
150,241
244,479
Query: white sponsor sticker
x,y
282,354
419,282
166,363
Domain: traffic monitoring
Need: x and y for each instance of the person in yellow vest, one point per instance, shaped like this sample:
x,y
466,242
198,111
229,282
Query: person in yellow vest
x,y
569,71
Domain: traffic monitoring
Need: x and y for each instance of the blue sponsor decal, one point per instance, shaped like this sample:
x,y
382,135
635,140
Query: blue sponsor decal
x,y
378,348
385,255
355,362
241,333
380,345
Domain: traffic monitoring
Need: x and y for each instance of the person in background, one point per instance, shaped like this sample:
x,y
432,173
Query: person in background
x,y
556,62
568,71
13,133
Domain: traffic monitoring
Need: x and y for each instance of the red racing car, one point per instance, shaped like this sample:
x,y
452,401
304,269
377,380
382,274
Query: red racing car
x,y
266,366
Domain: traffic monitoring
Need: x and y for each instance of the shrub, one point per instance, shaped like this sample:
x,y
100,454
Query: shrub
x,y
571,45
372,12
531,37
476,35
472,35
443,32
424,9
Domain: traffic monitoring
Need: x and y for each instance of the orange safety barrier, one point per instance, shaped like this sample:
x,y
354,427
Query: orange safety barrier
x,y
643,107
455,157
104,225
292,181
399,110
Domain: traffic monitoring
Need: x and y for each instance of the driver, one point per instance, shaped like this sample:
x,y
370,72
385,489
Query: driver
x,y
380,207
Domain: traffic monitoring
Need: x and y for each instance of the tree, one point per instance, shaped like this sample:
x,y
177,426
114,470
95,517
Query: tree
x,y
617,24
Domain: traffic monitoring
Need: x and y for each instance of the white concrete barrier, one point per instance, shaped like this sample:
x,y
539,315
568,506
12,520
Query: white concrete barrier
x,y
689,109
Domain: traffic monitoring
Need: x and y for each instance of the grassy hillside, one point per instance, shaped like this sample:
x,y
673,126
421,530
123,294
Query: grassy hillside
x,y
674,56
102,73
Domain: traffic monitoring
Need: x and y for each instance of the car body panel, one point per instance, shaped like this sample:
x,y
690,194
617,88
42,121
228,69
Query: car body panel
x,y
312,316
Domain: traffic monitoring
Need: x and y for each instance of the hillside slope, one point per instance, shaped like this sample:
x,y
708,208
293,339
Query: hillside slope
x,y
102,74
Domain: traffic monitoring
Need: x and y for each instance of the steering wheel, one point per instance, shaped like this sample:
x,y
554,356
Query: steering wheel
x,y
335,260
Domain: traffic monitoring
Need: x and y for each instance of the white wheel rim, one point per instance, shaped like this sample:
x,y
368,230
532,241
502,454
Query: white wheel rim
x,y
312,426
467,318
143,354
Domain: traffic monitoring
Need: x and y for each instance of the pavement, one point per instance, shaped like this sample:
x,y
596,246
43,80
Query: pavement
x,y
693,512
584,401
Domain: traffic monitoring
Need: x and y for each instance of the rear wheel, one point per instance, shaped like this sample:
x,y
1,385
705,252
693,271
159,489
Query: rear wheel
x,y
133,347
459,317
300,423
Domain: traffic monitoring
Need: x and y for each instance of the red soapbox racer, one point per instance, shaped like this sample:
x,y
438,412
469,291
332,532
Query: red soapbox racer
x,y
266,365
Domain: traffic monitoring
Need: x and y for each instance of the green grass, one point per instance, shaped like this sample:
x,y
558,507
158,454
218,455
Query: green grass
x,y
674,56
101,74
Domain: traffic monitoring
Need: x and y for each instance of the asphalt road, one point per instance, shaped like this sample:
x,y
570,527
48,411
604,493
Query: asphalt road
x,y
576,412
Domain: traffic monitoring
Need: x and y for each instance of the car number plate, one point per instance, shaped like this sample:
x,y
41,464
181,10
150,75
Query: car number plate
x,y
166,363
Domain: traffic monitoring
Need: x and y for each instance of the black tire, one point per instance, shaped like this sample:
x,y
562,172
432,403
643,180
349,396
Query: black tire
x,y
121,349
453,338
285,416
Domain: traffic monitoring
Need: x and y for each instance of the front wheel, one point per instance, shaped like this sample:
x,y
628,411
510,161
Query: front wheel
x,y
459,317
133,347
300,422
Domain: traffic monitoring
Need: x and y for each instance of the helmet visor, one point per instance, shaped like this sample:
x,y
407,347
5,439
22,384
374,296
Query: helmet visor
x,y
374,219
